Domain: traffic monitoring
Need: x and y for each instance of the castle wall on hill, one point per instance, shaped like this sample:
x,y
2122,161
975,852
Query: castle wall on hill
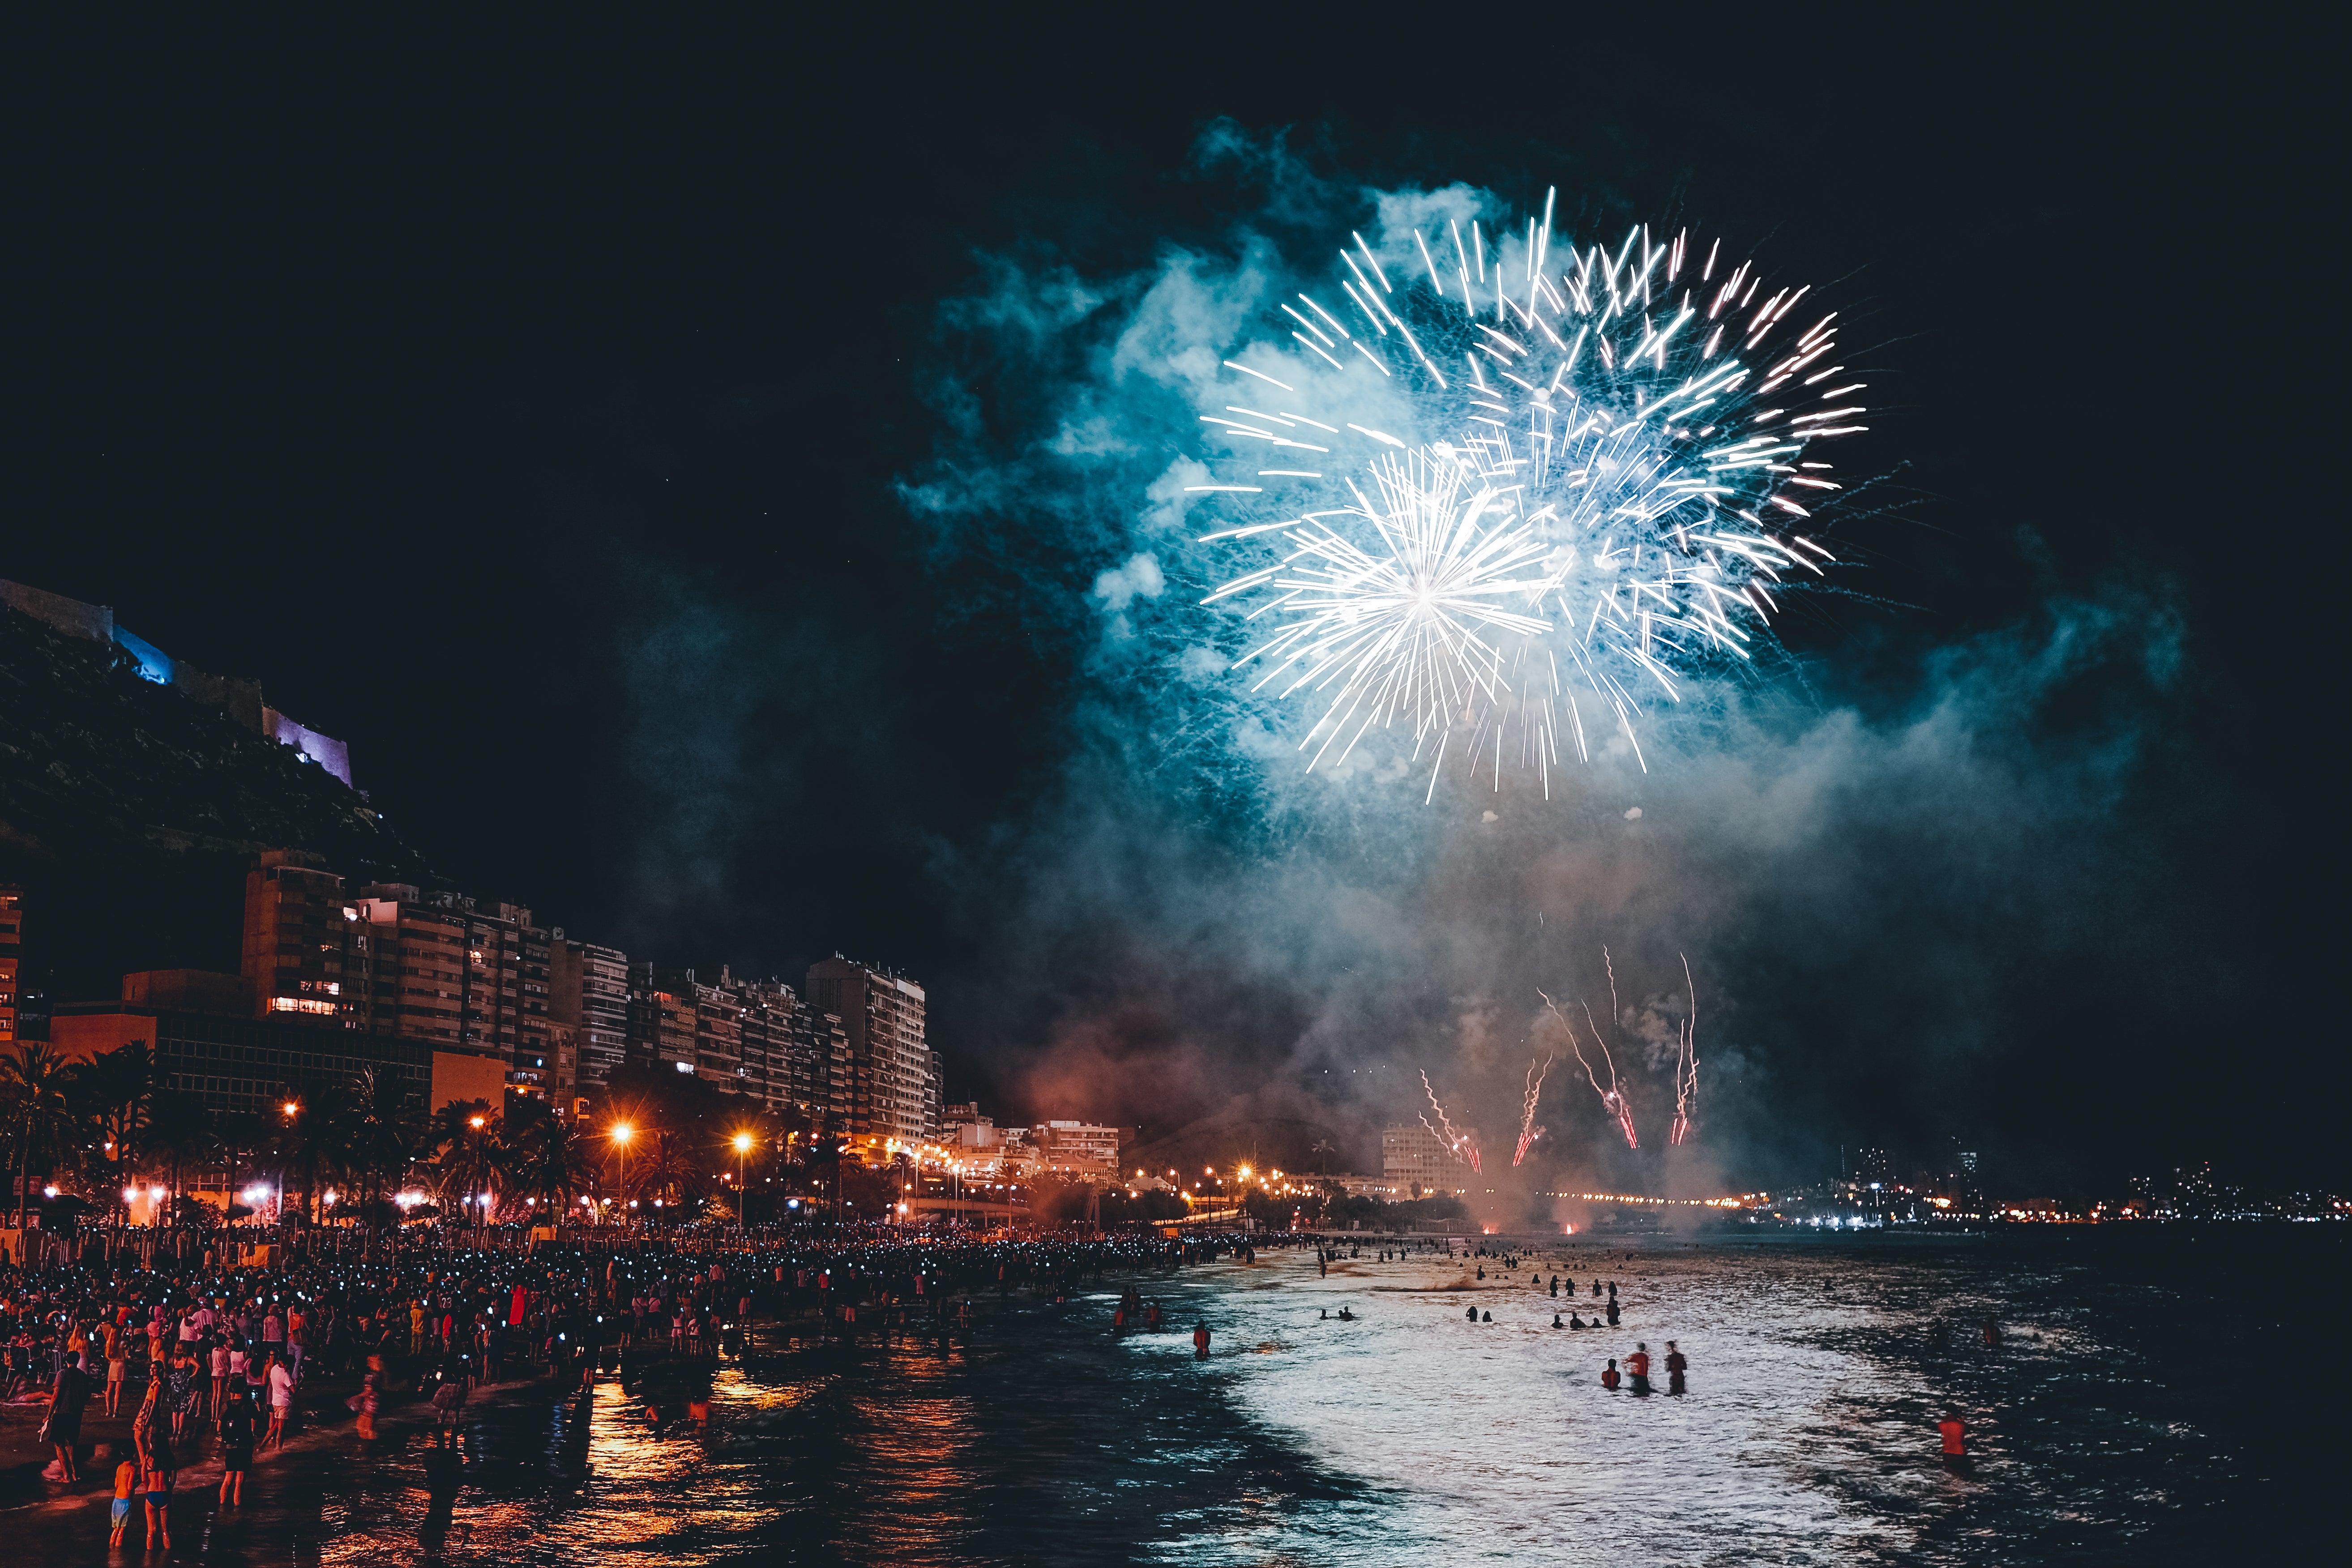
x,y
241,699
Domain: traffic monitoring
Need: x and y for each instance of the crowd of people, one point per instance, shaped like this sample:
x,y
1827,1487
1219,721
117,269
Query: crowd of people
x,y
206,1349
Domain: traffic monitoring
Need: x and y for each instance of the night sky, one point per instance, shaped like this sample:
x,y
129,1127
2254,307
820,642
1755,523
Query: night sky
x,y
543,415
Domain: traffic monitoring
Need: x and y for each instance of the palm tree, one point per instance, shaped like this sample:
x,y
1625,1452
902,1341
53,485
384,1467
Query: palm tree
x,y
469,1134
114,1092
178,1131
319,1139
240,1132
669,1174
553,1164
390,1134
34,1088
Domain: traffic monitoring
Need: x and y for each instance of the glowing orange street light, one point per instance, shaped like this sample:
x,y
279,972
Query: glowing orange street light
x,y
621,1134
742,1199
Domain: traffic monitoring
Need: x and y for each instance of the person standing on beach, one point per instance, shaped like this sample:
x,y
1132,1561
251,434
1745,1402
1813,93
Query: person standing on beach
x,y
236,1448
1677,1364
66,1400
1637,1368
218,1358
180,1387
154,1443
278,1384
126,1482
118,1364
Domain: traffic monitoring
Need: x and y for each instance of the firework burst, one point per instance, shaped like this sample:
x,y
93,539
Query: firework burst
x,y
1604,477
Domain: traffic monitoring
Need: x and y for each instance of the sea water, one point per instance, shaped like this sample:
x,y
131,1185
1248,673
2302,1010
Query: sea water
x,y
2152,1399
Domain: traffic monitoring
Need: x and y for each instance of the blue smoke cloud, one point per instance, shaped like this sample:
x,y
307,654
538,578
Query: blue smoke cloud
x,y
1879,886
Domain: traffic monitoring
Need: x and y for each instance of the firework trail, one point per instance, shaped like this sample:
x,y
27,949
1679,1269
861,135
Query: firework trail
x,y
1612,1098
1462,1143
1686,1064
1528,1131
1587,502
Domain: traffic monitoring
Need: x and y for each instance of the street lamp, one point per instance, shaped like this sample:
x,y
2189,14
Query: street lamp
x,y
622,1134
743,1193
482,1211
289,1109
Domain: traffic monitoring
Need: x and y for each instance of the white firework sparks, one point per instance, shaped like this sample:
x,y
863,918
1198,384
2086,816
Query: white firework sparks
x,y
1606,472
1401,623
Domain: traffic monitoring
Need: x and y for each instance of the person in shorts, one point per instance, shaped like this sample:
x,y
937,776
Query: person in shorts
x,y
118,1364
278,1387
126,1481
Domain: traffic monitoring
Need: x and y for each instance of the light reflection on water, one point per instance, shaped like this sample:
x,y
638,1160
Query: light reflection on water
x,y
1411,1435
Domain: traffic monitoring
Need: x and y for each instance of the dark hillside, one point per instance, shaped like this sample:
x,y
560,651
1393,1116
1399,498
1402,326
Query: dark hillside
x,y
129,813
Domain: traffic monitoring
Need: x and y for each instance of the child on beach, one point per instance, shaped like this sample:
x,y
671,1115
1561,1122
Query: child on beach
x,y
126,1481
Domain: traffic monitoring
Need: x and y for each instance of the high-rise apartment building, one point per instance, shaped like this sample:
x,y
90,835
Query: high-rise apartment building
x,y
588,989
894,1074
753,1037
796,1055
299,937
385,961
661,1023
821,1070
1416,1160
12,935
766,1011
537,1070
444,970
717,1013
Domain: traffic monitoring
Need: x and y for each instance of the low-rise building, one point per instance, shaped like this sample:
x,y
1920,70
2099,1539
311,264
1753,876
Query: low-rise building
x,y
1387,1189
1076,1146
229,1061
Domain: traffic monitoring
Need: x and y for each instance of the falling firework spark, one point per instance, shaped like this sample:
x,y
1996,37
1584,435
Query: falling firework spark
x,y
1686,1063
1528,1131
1591,500
1462,1143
